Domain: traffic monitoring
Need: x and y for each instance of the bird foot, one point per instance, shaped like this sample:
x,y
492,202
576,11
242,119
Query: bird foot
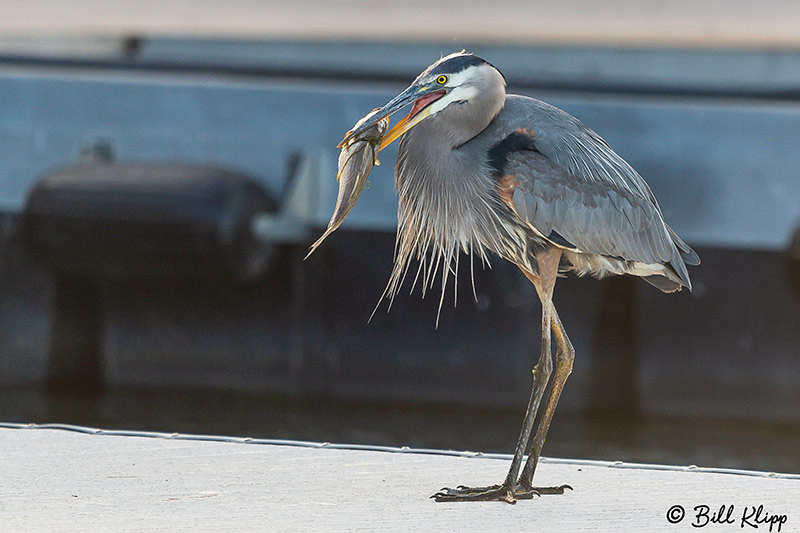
x,y
501,493
461,493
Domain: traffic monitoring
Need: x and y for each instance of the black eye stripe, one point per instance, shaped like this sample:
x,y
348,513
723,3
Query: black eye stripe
x,y
458,63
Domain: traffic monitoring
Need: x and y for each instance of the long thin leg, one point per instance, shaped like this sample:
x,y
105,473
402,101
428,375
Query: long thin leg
x,y
541,376
547,261
565,355
506,491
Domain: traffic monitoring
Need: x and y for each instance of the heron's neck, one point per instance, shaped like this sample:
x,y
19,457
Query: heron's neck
x,y
446,192
446,206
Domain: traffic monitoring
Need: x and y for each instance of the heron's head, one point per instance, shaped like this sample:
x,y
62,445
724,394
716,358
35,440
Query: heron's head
x,y
459,78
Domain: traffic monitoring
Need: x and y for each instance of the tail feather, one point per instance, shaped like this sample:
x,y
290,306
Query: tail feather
x,y
663,283
676,274
688,255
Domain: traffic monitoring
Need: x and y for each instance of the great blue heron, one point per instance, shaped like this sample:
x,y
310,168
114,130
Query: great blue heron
x,y
481,171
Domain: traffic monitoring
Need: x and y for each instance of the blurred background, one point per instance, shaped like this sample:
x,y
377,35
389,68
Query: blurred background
x,y
165,165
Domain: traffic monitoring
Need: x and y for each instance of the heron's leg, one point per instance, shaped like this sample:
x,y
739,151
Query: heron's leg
x,y
507,491
565,354
547,261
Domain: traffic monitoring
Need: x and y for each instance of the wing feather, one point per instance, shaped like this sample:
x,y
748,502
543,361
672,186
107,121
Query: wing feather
x,y
567,179
594,216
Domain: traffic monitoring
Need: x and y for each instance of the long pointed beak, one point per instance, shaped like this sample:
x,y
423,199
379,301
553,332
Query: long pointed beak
x,y
419,111
395,104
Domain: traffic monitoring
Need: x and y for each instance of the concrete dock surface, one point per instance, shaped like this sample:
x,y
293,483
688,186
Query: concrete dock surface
x,y
90,480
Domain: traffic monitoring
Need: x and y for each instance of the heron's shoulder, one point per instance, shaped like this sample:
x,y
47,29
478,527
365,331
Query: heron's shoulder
x,y
551,127
525,109
570,144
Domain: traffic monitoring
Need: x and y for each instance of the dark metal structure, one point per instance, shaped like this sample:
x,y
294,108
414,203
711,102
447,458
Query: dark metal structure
x,y
713,132
100,221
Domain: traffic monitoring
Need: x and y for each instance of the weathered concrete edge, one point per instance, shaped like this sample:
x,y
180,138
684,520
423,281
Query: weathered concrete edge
x,y
393,449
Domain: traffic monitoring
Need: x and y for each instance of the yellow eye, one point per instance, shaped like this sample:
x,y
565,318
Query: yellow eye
x,y
441,80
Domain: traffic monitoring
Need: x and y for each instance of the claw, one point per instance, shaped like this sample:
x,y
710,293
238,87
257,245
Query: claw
x,y
479,494
551,490
464,488
463,493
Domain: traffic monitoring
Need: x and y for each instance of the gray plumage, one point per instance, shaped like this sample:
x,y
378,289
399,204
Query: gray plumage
x,y
569,181
573,183
482,172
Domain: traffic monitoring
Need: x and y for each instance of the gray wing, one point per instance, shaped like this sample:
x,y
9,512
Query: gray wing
x,y
588,217
574,190
566,141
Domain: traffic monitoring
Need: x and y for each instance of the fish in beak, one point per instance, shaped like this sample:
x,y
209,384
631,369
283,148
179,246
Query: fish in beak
x,y
359,154
362,143
422,97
